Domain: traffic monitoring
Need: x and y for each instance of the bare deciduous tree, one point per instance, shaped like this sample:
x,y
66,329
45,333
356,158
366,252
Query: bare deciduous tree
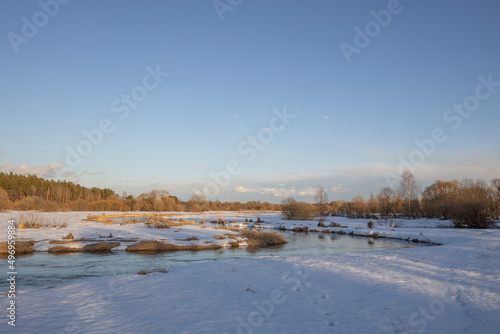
x,y
386,199
321,198
408,189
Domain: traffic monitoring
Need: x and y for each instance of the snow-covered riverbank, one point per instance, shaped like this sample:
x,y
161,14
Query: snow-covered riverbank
x,y
453,288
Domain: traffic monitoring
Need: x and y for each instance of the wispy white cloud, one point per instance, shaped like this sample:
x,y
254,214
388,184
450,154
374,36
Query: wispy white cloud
x,y
50,170
339,189
87,172
55,170
241,189
278,191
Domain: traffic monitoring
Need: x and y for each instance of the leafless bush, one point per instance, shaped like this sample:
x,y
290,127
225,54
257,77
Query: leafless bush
x,y
5,203
391,223
34,203
79,205
471,210
32,219
293,210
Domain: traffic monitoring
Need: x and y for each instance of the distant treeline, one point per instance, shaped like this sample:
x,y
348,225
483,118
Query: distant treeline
x,y
467,203
30,192
19,187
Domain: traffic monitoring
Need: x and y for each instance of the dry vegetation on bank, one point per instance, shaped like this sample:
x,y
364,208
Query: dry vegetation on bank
x,y
32,219
263,239
22,247
152,246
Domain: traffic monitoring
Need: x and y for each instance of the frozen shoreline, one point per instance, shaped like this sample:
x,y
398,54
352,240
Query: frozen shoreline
x,y
444,289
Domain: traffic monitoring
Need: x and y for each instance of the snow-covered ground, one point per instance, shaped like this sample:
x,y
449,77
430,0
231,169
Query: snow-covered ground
x,y
93,232
452,288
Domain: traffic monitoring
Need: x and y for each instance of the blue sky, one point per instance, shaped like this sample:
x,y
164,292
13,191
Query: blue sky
x,y
352,119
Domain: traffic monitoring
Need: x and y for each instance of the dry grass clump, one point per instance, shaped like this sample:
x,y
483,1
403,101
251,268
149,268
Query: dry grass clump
x,y
29,219
100,247
22,247
332,224
151,246
263,239
108,219
160,222
219,237
72,241
64,249
201,247
158,225
132,221
69,236
188,239
155,270
182,222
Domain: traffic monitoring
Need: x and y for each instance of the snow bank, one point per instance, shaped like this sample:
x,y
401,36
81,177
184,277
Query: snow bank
x,y
452,288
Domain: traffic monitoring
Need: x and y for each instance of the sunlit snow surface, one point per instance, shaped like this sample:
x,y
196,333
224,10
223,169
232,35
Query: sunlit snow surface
x,y
453,288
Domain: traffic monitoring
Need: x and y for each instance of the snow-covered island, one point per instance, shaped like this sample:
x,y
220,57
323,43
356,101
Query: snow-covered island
x,y
453,287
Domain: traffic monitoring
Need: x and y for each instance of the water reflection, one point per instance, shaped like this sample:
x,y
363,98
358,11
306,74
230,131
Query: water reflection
x,y
44,269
